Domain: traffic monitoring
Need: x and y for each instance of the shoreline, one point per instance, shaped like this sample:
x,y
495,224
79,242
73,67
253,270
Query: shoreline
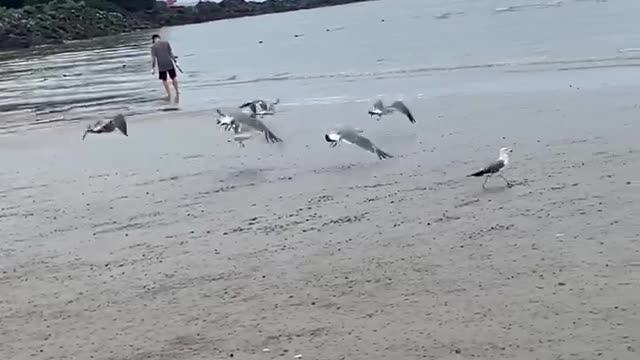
x,y
54,23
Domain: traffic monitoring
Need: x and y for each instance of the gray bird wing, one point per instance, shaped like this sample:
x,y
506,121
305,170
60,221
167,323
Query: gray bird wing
x,y
347,129
249,104
262,105
107,127
120,124
492,168
255,124
97,125
354,137
378,105
400,106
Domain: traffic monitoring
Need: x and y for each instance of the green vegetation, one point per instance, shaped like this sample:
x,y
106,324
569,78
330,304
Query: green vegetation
x,y
26,23
112,5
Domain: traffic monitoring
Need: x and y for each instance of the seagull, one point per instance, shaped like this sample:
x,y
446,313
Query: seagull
x,y
242,122
380,110
495,168
226,122
241,133
118,122
354,137
261,107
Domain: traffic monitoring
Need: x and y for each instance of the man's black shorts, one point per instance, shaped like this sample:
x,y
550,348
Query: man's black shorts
x,y
163,74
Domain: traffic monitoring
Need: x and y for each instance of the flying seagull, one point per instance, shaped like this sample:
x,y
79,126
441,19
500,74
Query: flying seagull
x,y
354,137
241,133
100,127
495,168
226,122
380,110
261,107
240,122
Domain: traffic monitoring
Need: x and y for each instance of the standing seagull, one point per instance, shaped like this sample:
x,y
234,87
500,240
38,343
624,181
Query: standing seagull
x,y
380,110
495,168
352,136
239,121
118,122
261,107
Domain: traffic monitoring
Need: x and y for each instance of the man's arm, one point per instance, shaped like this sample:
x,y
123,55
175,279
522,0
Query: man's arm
x,y
173,57
153,60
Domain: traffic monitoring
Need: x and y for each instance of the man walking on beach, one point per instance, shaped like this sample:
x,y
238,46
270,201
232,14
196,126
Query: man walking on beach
x,y
162,54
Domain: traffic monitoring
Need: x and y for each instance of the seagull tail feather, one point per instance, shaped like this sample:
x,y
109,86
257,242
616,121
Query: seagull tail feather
x,y
383,155
271,137
478,173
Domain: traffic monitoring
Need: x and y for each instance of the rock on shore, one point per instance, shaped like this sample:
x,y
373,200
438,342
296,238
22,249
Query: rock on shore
x,y
58,22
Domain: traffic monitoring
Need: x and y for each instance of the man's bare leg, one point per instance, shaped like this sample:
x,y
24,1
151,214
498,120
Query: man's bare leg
x,y
174,81
165,83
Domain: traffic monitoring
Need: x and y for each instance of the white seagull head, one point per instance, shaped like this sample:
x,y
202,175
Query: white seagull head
x,y
225,120
504,154
332,137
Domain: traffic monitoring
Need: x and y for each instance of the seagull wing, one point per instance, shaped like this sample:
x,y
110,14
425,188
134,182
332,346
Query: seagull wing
x,y
261,105
492,168
97,125
252,105
247,104
353,137
378,105
107,127
120,124
257,125
400,106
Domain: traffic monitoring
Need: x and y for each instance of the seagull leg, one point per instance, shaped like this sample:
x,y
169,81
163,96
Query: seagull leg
x,y
509,183
485,181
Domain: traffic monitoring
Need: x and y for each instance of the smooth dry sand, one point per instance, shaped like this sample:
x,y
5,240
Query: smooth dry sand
x,y
174,244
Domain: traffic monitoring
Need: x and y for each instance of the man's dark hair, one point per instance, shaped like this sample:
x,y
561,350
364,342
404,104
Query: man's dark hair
x,y
155,36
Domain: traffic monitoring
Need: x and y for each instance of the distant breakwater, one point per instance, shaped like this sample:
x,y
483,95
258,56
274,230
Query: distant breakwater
x,y
60,21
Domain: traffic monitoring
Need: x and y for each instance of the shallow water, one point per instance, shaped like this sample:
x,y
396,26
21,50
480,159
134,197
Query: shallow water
x,y
423,48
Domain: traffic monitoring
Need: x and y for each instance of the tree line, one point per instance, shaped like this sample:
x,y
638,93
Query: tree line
x,y
108,5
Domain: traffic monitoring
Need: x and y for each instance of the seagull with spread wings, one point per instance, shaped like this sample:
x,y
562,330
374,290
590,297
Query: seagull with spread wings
x,y
261,107
354,137
379,110
241,122
102,127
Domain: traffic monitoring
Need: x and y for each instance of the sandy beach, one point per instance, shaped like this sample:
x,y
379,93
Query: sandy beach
x,y
175,244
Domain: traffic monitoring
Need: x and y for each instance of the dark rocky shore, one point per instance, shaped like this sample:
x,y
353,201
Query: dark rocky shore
x,y
61,21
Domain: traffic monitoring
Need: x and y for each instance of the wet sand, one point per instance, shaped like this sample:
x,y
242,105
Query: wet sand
x,y
174,244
